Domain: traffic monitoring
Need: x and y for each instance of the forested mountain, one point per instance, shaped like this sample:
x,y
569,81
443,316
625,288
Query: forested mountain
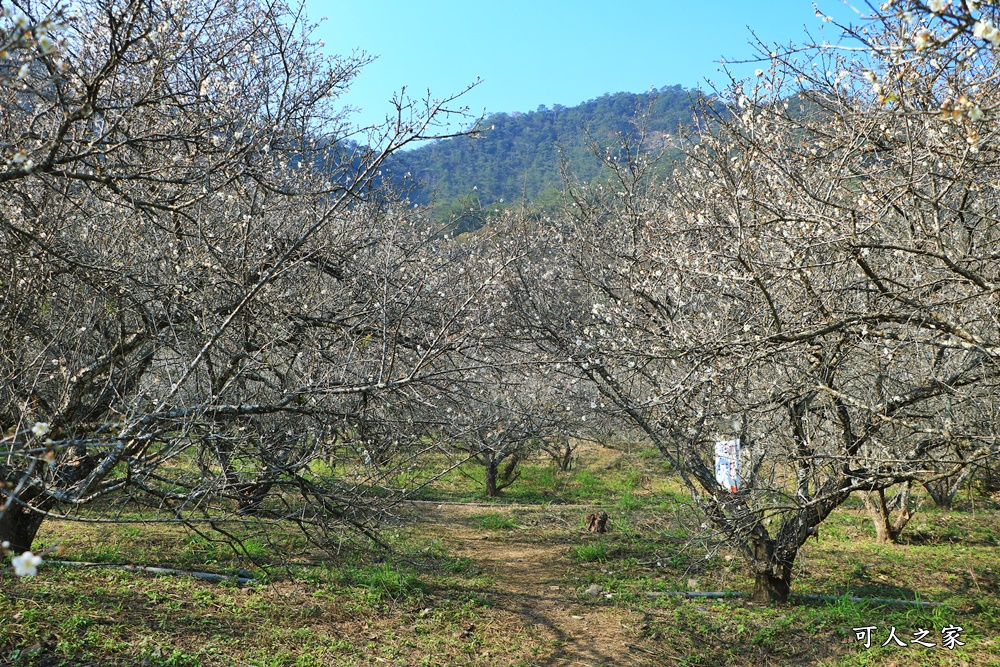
x,y
519,154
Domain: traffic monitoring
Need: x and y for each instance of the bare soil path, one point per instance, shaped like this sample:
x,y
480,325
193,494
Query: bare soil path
x,y
534,579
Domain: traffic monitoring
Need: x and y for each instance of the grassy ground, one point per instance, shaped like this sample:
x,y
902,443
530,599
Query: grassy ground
x,y
512,583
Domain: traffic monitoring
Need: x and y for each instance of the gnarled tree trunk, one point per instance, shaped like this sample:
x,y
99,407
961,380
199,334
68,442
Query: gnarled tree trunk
x,y
22,516
561,450
772,585
496,479
943,491
772,576
886,529
19,524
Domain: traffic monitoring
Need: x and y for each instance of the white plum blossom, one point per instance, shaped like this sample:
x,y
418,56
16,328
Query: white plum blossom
x,y
759,72
46,44
26,565
975,113
922,38
988,31
938,6
40,429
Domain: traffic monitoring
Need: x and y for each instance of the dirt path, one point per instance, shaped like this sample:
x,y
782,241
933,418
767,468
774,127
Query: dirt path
x,y
534,579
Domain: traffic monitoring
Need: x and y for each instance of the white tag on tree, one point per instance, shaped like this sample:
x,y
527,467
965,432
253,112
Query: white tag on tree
x,y
727,464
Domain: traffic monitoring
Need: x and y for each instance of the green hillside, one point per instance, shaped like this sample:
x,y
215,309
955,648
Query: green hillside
x,y
519,154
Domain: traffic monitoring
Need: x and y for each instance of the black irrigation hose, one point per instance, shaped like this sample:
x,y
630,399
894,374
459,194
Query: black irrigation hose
x,y
208,576
822,598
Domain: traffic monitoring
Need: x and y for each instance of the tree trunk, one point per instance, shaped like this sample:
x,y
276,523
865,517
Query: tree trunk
x,y
769,588
491,478
508,476
772,580
566,462
941,494
561,453
497,480
250,495
943,491
19,524
23,518
886,530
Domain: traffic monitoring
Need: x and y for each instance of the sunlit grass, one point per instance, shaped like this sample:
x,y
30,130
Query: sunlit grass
x,y
317,608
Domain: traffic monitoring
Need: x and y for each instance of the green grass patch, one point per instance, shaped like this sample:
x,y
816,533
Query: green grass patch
x,y
385,580
495,521
597,552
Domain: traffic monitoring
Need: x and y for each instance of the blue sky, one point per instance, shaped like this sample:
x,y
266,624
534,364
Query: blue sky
x,y
533,52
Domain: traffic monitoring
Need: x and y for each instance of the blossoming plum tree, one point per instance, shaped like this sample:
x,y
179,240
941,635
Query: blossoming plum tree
x,y
817,279
204,293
